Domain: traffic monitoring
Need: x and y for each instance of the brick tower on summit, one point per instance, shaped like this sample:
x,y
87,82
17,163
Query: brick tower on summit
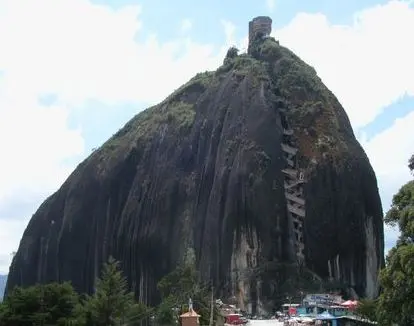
x,y
259,27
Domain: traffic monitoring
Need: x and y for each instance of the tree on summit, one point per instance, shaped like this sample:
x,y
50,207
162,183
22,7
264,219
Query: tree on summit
x,y
232,52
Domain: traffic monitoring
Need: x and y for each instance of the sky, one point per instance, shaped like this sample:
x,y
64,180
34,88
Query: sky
x,y
72,72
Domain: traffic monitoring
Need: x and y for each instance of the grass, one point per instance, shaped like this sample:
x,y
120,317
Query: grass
x,y
201,81
245,65
179,116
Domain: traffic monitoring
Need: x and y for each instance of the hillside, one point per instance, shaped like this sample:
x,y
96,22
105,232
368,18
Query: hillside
x,y
3,281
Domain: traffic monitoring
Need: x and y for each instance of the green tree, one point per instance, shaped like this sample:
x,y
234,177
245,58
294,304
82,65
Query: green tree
x,y
396,302
39,305
112,304
232,53
402,212
167,312
367,308
176,288
180,283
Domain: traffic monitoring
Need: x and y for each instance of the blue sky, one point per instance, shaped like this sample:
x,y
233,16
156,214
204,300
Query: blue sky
x,y
77,70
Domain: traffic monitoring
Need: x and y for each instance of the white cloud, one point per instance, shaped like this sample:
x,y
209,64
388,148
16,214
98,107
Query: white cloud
x,y
368,65
10,230
229,30
88,60
391,163
186,25
270,4
230,33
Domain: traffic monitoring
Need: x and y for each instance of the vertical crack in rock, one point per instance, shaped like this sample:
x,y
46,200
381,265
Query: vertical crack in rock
x,y
372,265
243,263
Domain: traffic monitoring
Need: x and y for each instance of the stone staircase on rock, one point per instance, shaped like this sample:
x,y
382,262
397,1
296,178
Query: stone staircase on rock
x,y
294,194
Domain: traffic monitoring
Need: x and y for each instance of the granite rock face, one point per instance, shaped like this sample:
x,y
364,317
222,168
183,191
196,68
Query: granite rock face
x,y
201,174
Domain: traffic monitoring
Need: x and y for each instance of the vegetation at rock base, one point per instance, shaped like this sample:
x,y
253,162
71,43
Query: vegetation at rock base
x,y
59,304
110,305
293,281
176,288
367,309
40,304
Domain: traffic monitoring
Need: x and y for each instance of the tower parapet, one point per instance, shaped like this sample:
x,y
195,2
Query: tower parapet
x,y
260,26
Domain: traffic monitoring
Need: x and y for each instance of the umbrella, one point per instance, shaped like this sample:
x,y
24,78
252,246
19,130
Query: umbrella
x,y
349,304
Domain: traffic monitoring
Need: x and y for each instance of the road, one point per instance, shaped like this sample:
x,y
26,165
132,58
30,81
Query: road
x,y
267,322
